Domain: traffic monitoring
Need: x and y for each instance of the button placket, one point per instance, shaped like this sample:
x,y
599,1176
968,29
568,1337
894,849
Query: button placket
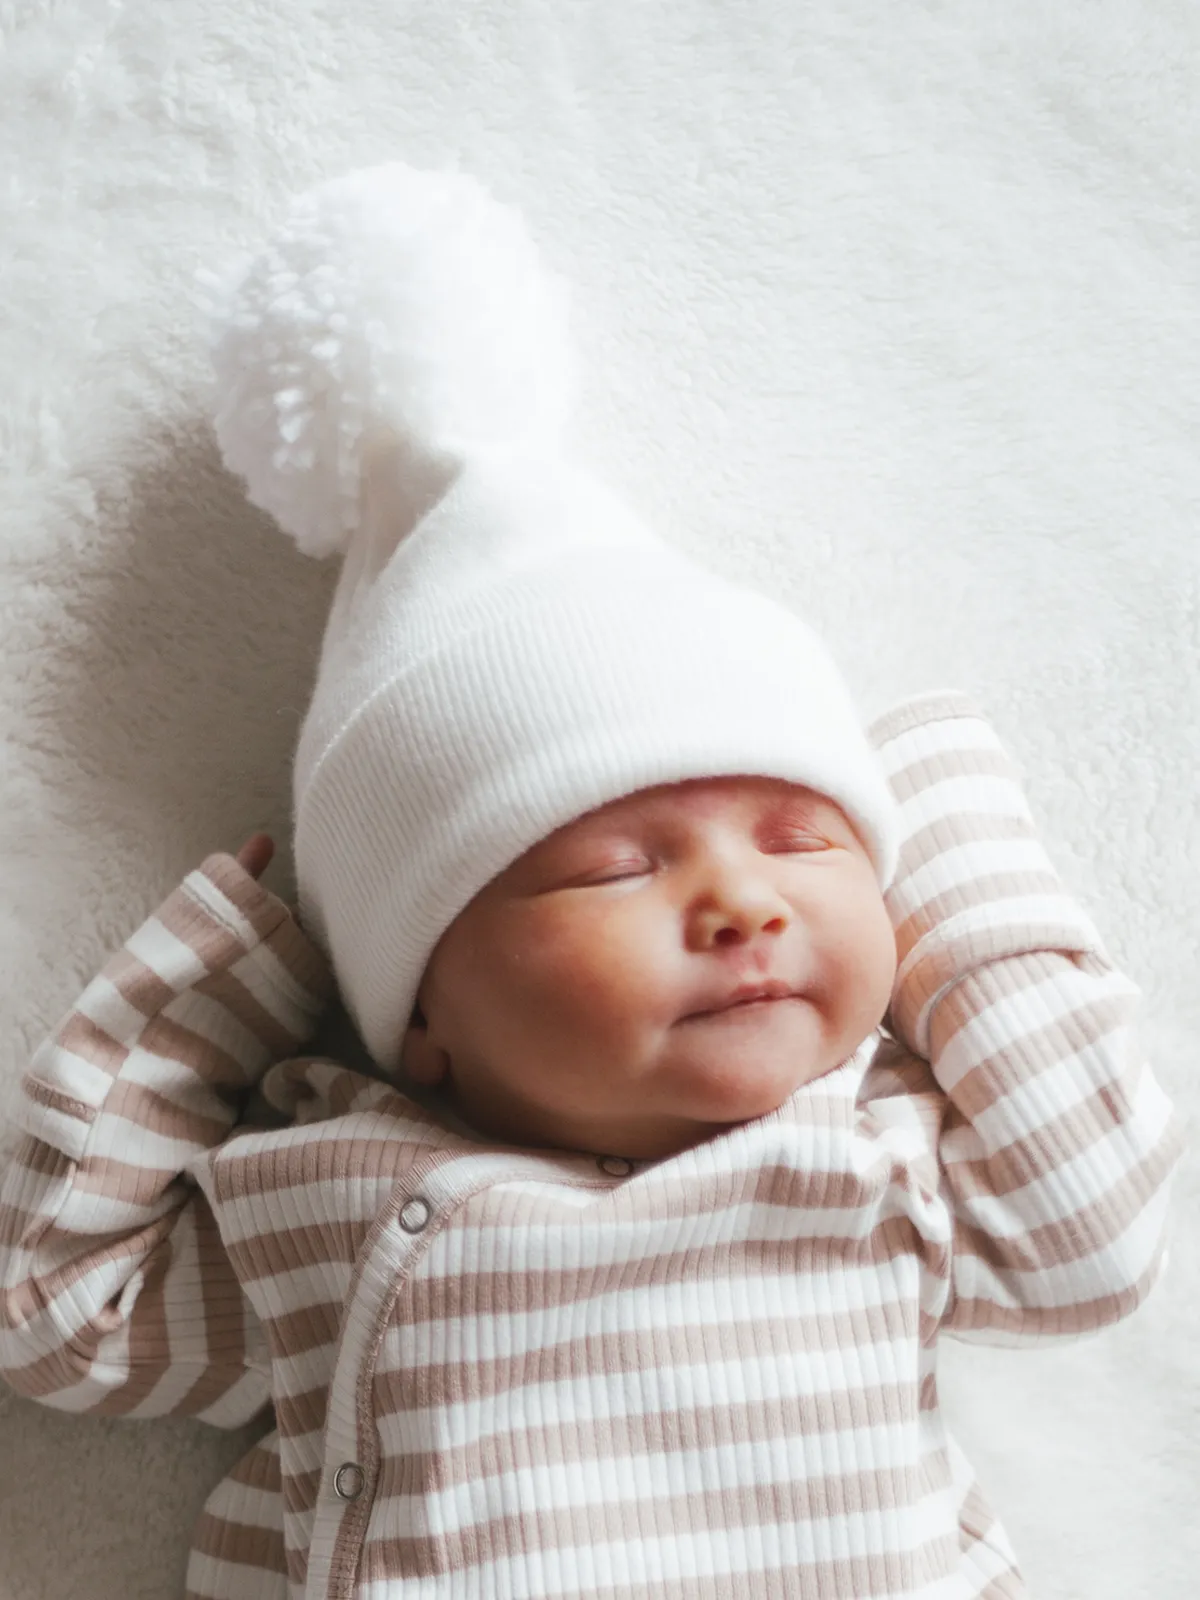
x,y
348,1486
350,1479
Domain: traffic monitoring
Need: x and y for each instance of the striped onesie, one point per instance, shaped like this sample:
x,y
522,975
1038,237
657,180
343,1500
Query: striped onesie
x,y
494,1372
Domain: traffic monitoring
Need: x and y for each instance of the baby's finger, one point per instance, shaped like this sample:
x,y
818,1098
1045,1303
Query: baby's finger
x,y
255,855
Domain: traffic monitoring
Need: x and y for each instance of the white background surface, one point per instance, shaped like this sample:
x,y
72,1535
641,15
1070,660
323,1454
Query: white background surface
x,y
892,309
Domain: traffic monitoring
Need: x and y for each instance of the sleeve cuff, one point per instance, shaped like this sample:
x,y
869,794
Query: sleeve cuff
x,y
256,916
974,883
976,938
934,705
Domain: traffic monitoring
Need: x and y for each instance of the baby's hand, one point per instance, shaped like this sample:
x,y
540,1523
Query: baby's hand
x,y
255,855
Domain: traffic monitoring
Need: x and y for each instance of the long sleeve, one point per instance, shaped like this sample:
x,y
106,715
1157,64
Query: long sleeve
x,y
115,1292
1056,1142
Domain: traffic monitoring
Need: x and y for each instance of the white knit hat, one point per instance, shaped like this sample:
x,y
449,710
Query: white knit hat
x,y
509,646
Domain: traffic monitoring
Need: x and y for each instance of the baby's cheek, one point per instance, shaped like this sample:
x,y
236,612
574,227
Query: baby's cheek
x,y
878,971
607,968
854,955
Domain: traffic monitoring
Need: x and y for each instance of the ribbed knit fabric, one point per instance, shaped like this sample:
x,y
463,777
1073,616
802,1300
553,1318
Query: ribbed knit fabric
x,y
500,1372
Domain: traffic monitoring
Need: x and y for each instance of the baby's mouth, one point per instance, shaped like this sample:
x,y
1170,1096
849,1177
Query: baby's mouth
x,y
741,1008
747,997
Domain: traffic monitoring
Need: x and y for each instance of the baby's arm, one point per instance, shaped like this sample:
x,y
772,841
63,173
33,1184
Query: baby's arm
x,y
115,1291
1057,1142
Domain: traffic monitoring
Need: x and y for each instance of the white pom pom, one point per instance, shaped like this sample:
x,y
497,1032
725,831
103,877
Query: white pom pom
x,y
389,302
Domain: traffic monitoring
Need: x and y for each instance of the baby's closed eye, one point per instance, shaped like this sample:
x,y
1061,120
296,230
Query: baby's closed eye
x,y
619,872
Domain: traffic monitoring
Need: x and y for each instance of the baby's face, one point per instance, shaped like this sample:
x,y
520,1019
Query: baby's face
x,y
571,1003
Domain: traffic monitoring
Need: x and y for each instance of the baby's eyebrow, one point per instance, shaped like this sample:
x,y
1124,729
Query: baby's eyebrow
x,y
797,804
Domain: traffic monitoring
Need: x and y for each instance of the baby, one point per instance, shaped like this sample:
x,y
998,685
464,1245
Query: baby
x,y
724,1054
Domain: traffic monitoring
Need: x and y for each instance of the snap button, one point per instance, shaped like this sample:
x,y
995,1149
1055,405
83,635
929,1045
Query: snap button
x,y
349,1481
414,1214
617,1165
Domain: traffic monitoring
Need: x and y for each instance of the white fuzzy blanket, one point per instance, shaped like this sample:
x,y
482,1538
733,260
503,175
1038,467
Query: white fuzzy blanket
x,y
891,308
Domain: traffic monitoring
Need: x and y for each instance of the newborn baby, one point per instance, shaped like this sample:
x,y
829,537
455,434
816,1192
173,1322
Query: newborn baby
x,y
646,1297
673,963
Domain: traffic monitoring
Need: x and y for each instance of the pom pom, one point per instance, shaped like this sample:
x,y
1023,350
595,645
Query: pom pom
x,y
389,303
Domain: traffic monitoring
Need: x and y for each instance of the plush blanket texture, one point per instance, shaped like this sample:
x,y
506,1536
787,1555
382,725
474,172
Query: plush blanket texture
x,y
891,309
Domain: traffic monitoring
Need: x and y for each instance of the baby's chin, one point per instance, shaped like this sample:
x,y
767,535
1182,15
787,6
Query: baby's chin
x,y
733,1071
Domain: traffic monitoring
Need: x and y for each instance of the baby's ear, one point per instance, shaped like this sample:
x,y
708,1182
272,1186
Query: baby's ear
x,y
422,1061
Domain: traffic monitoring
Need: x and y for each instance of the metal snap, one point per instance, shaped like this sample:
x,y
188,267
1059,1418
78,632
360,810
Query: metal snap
x,y
616,1165
349,1481
414,1214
